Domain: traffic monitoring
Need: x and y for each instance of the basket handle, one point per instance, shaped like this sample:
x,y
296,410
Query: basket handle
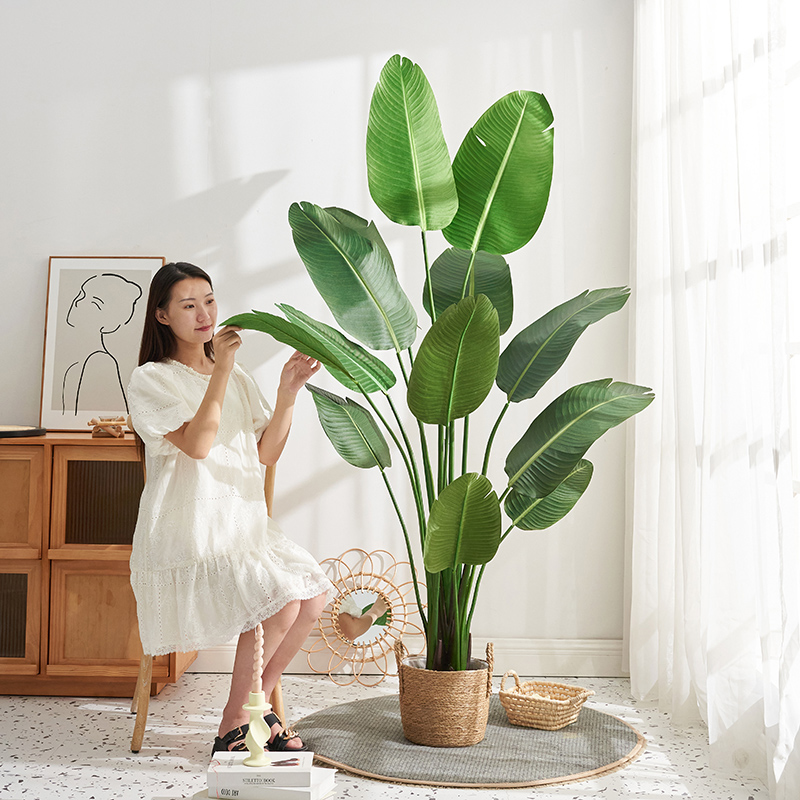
x,y
503,680
400,653
490,671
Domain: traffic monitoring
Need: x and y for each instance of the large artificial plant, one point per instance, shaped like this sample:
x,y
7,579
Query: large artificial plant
x,y
488,202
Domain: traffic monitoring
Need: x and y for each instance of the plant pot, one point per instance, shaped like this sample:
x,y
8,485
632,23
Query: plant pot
x,y
444,709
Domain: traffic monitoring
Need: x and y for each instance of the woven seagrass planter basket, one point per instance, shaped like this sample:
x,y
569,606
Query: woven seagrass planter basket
x,y
545,705
444,709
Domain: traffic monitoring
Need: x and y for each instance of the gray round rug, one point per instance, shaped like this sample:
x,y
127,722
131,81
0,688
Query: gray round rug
x,y
365,737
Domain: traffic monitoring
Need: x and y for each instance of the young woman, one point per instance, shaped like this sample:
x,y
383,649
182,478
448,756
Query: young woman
x,y
207,562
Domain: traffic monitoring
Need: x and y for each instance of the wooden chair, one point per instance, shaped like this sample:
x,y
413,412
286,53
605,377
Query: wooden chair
x,y
141,695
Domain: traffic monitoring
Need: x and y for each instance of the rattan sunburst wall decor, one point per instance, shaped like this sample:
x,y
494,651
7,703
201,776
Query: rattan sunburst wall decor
x,y
374,607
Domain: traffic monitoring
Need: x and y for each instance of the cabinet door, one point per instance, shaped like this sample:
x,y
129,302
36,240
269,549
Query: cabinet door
x,y
95,498
20,616
93,628
21,506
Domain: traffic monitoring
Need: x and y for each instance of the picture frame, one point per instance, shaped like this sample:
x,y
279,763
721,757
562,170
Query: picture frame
x,y
93,327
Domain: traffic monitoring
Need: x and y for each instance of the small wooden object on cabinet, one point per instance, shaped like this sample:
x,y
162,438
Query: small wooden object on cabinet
x,y
108,426
68,506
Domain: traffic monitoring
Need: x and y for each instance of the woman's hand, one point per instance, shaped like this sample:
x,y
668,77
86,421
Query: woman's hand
x,y
296,372
196,437
294,376
226,342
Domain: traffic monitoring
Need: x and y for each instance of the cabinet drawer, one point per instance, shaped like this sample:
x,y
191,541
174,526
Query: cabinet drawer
x,y
21,519
93,627
20,616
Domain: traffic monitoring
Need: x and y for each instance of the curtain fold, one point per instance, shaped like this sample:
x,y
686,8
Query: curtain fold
x,y
715,563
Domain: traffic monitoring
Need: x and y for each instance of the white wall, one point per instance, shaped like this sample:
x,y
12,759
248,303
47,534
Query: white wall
x,y
186,128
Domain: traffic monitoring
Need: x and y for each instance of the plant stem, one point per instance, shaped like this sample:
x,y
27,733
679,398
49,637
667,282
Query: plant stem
x,y
426,465
402,367
408,460
478,583
451,451
464,448
428,284
423,439
467,574
465,582
455,633
491,438
510,528
390,430
442,458
410,354
432,628
444,619
469,277
475,596
408,547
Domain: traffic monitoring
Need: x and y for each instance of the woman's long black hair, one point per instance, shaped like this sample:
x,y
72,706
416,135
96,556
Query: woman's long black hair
x,y
158,341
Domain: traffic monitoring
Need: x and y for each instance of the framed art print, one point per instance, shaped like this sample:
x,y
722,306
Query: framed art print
x,y
93,326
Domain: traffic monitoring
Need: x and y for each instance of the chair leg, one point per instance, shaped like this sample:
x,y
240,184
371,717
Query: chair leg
x,y
141,701
276,701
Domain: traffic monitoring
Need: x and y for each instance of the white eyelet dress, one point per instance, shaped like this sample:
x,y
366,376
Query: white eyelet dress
x,y
207,562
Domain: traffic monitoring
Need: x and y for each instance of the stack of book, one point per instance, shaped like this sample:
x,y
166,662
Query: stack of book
x,y
289,776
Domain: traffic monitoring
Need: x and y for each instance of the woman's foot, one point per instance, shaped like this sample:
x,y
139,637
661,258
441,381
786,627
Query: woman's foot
x,y
281,739
353,627
232,740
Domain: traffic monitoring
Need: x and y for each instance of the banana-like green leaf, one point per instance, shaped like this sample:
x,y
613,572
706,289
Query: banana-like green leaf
x,y
362,228
535,354
503,171
537,513
456,363
408,166
557,439
354,275
464,525
452,279
352,430
288,333
364,371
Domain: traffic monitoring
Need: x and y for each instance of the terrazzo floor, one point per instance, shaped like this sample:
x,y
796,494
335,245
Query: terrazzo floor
x,y
54,748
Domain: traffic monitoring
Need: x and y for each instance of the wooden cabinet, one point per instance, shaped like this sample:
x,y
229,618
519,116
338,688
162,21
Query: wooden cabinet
x,y
68,507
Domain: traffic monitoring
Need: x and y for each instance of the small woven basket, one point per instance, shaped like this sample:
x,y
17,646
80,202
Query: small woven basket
x,y
542,704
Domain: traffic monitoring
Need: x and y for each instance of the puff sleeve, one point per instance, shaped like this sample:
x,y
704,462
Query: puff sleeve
x,y
158,406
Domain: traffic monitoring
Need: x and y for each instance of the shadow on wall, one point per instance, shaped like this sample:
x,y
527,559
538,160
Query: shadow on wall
x,y
215,211
318,482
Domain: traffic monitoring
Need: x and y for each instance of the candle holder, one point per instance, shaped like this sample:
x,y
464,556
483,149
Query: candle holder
x,y
258,730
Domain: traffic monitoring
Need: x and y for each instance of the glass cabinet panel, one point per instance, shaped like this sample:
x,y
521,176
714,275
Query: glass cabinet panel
x,y
95,498
13,614
102,501
20,616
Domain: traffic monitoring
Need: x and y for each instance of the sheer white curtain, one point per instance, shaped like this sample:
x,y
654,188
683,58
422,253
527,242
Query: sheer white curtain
x,y
715,564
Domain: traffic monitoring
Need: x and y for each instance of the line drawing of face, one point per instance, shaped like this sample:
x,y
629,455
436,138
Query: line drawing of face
x,y
104,303
107,300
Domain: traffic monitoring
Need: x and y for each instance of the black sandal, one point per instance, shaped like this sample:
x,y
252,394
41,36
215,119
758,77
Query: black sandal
x,y
232,740
282,738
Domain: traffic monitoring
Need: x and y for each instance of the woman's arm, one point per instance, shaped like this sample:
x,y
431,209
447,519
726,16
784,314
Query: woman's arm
x,y
295,374
196,436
